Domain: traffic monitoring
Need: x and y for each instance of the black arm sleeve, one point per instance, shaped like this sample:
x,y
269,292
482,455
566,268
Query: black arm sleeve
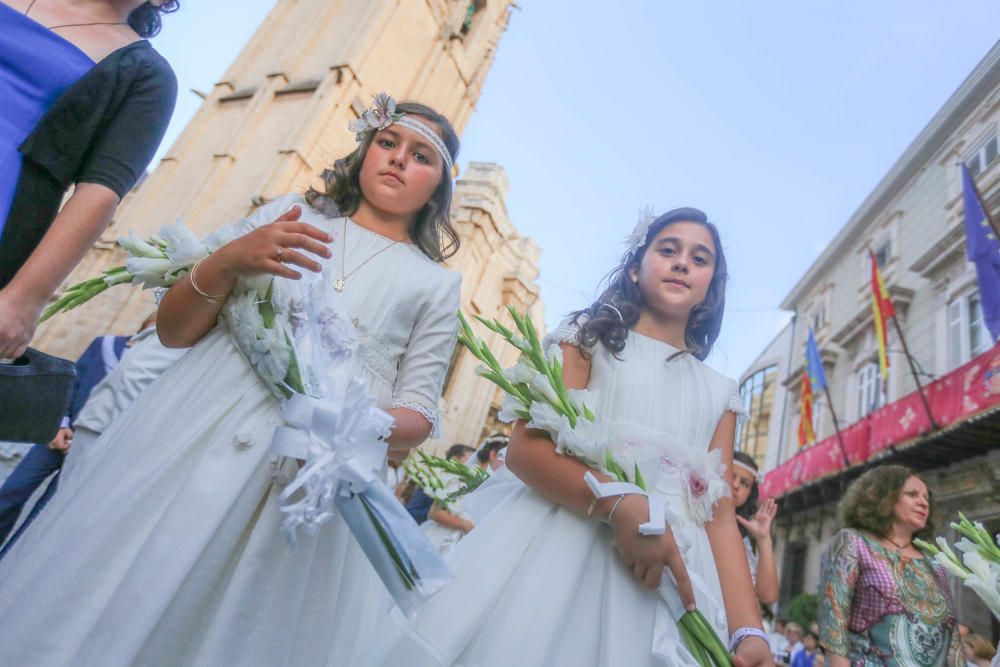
x,y
119,156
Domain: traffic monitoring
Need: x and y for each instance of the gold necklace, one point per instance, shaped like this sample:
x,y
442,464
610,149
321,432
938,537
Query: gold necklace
x,y
73,25
338,284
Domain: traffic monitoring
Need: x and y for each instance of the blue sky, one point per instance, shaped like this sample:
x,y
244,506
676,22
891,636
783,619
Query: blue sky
x,y
777,119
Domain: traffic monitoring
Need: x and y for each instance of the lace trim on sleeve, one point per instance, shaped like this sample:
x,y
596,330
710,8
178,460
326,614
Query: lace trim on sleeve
x,y
432,416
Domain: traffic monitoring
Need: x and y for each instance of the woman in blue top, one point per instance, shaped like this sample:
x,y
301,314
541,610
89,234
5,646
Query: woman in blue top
x,y
86,101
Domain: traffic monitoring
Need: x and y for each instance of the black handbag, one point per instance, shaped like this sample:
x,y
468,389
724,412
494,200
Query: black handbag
x,y
35,391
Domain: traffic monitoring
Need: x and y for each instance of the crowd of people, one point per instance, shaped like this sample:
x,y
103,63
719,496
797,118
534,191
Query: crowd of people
x,y
148,531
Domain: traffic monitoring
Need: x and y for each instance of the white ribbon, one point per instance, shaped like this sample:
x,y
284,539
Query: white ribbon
x,y
657,524
343,449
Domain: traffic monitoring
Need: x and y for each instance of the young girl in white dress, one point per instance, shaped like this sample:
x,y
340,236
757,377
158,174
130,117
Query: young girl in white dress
x,y
170,552
569,581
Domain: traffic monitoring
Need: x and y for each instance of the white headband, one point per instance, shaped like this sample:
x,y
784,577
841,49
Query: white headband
x,y
383,114
756,473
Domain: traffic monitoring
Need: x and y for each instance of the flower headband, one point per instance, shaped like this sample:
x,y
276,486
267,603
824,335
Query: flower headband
x,y
383,114
637,238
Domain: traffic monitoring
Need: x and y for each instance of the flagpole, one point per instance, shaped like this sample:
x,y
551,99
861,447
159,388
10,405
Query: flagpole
x,y
836,426
913,370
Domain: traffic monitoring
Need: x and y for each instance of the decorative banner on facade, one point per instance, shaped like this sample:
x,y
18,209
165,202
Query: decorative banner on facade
x,y
963,393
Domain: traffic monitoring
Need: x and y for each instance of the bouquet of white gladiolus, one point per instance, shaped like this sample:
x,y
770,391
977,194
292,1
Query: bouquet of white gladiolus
x,y
979,565
534,390
460,479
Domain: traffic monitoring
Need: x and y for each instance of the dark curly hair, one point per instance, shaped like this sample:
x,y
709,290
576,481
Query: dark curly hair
x,y
432,231
869,501
749,508
145,19
603,324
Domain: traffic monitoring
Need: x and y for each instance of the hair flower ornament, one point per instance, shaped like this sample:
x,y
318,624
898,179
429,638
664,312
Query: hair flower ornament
x,y
637,238
381,115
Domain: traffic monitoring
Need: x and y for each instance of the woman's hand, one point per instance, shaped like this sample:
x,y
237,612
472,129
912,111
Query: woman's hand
x,y
753,652
271,248
18,318
760,526
647,555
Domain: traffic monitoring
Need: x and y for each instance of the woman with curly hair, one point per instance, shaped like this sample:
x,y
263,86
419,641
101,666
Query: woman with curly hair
x,y
881,601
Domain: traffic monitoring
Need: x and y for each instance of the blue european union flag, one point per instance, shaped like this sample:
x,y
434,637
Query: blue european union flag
x,y
814,364
983,250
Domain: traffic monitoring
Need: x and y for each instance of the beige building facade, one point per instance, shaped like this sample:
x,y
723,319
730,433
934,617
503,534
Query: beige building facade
x,y
279,117
913,223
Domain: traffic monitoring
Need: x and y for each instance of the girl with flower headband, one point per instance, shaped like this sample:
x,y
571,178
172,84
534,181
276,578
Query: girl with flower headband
x,y
171,551
571,581
755,526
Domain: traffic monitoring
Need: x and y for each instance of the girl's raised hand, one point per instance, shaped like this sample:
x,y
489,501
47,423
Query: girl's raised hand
x,y
760,525
272,247
647,555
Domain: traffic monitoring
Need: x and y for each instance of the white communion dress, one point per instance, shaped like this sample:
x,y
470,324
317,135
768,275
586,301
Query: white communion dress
x,y
537,585
170,551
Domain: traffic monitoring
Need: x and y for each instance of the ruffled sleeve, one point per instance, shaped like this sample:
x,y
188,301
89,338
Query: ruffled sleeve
x,y
422,368
735,402
568,331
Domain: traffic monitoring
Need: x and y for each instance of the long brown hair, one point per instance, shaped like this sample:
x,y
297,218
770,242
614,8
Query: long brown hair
x,y
432,230
603,323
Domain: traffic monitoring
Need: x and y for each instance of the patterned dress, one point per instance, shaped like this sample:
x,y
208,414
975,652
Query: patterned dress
x,y
878,607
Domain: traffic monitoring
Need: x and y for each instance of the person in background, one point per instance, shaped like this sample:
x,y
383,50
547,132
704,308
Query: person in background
x,y
419,504
806,656
978,651
755,526
46,460
445,526
490,455
881,600
86,101
793,636
777,635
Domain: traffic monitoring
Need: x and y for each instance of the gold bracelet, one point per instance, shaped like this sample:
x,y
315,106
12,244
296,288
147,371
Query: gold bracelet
x,y
211,298
611,514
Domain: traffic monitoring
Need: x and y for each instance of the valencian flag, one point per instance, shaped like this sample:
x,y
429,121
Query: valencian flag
x,y
806,434
983,250
882,310
814,364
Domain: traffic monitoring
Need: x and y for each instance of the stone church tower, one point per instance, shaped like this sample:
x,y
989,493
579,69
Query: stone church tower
x,y
279,117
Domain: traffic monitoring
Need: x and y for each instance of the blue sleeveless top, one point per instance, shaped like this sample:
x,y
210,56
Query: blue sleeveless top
x,y
36,67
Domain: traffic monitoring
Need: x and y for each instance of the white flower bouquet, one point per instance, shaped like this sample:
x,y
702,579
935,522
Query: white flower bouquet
x,y
301,346
979,565
534,390
459,478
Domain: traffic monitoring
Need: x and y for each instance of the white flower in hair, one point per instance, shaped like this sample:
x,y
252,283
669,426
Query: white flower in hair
x,y
381,115
637,238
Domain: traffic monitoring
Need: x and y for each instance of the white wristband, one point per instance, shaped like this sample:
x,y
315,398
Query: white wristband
x,y
657,524
743,633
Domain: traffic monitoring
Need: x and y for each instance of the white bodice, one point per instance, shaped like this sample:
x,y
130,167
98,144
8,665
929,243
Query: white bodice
x,y
402,304
683,397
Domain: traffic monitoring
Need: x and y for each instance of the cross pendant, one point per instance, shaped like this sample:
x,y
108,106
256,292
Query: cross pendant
x,y
338,284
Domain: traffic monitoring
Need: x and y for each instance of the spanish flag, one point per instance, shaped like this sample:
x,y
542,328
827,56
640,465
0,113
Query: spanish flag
x,y
882,310
806,434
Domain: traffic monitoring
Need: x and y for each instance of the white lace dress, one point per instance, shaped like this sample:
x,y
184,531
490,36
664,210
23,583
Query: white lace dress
x,y
442,537
169,553
536,585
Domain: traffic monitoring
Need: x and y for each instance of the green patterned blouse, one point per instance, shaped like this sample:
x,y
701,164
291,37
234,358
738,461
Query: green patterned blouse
x,y
880,608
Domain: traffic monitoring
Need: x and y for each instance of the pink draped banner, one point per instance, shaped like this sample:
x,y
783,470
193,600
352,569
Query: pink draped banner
x,y
964,392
